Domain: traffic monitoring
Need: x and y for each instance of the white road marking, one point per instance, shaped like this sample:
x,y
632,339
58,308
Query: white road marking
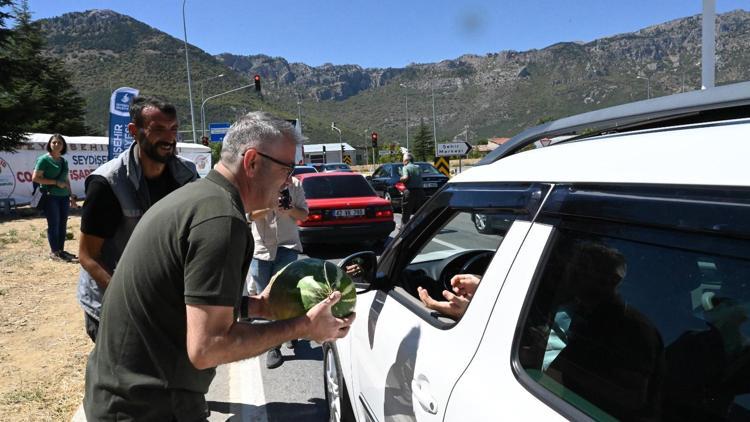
x,y
246,388
450,245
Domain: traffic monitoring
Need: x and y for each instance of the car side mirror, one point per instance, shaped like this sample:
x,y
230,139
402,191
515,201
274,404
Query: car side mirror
x,y
362,268
368,178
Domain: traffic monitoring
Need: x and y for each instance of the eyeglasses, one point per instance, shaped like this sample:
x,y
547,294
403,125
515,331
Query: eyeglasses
x,y
288,166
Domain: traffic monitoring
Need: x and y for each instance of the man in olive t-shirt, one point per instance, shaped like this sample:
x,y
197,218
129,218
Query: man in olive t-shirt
x,y
171,307
194,254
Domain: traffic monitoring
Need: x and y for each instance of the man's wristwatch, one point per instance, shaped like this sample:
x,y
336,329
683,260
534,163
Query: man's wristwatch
x,y
243,306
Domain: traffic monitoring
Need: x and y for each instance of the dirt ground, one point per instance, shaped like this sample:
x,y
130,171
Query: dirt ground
x,y
43,344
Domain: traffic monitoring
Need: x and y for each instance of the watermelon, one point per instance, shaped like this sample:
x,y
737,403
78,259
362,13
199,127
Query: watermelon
x,y
304,283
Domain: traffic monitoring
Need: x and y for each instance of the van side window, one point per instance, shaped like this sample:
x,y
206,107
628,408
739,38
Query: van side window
x,y
629,325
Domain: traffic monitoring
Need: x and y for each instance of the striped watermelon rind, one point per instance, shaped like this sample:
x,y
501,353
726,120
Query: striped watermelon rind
x,y
304,283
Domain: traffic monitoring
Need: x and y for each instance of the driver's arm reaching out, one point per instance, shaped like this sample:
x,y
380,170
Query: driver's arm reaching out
x,y
464,286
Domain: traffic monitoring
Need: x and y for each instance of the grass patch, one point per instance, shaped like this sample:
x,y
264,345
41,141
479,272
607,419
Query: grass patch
x,y
11,236
23,395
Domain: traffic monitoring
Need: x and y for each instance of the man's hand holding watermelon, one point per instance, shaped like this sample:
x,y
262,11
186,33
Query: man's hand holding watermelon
x,y
323,325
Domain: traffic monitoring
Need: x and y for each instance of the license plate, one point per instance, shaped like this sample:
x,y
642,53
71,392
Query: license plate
x,y
429,185
356,212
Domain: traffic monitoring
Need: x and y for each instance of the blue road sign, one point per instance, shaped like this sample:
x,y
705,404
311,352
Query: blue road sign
x,y
217,131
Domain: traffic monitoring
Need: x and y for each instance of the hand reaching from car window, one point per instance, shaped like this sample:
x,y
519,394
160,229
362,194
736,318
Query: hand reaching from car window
x,y
464,286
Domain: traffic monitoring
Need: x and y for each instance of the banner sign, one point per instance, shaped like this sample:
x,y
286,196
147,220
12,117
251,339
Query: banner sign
x,y
85,154
119,117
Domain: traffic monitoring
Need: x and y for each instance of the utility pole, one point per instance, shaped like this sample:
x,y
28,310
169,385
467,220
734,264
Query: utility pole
x,y
341,144
187,65
708,52
434,122
299,113
367,158
406,101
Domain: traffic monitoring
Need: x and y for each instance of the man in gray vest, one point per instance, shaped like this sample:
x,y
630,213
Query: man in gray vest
x,y
120,191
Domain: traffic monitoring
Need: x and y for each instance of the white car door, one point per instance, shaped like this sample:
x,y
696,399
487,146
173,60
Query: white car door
x,y
489,389
405,358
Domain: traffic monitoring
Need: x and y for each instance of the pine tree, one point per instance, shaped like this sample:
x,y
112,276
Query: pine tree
x,y
12,122
36,94
423,149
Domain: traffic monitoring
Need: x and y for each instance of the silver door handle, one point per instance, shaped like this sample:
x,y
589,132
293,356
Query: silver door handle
x,y
420,389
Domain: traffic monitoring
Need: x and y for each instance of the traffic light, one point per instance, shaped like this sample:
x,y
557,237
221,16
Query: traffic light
x,y
204,140
257,83
374,139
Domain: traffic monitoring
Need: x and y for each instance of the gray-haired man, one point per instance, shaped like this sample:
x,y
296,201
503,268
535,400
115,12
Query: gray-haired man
x,y
172,305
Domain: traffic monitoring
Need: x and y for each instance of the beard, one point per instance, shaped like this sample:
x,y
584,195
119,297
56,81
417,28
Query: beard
x,y
153,149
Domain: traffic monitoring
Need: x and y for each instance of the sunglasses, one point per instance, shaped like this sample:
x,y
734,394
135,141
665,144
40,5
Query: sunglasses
x,y
288,166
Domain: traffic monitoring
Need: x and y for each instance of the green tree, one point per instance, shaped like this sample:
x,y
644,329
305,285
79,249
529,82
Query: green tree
x,y
36,94
12,123
423,149
394,156
544,119
215,151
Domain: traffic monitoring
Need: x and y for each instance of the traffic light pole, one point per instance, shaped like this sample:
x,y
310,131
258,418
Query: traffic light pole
x,y
203,104
374,137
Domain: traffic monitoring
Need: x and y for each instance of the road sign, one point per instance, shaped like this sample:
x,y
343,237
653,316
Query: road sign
x,y
453,148
441,163
385,152
217,131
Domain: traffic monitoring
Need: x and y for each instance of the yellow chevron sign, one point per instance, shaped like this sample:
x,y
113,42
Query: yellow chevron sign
x,y
441,163
348,160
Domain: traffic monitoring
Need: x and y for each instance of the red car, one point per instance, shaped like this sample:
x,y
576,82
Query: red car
x,y
344,209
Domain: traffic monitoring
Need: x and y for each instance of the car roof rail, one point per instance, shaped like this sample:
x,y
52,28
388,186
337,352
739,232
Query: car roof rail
x,y
718,103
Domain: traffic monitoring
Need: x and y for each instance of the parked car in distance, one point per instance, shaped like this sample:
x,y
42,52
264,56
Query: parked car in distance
x,y
331,167
343,209
385,181
303,169
615,279
491,223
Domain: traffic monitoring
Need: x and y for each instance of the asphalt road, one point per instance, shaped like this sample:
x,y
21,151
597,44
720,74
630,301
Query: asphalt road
x,y
248,391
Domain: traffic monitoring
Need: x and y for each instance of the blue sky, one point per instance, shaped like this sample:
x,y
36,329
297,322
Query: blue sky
x,y
388,33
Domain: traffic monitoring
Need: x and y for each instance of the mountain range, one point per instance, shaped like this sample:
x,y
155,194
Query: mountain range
x,y
494,95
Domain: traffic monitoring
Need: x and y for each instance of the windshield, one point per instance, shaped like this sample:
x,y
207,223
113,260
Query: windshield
x,y
336,187
337,167
303,170
426,168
